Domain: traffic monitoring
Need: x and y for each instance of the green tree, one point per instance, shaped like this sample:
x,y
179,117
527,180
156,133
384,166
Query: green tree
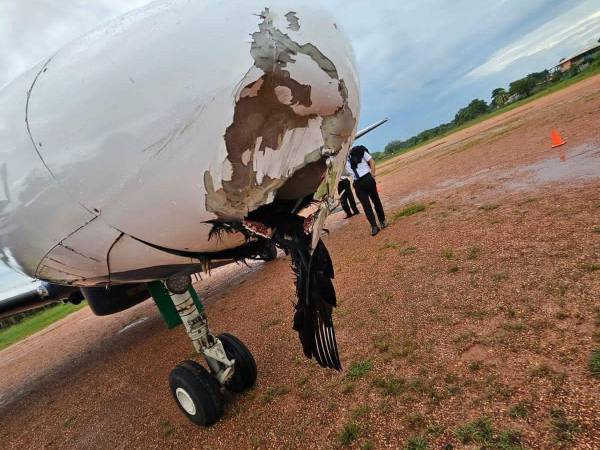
x,y
522,87
499,97
393,147
474,109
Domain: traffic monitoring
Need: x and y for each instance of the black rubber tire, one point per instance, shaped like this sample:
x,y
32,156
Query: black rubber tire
x,y
269,253
244,376
203,390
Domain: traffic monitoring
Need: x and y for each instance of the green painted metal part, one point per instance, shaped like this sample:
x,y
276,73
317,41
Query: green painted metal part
x,y
165,305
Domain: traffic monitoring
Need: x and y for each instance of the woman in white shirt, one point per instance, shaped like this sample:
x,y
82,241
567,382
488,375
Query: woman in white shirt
x,y
362,167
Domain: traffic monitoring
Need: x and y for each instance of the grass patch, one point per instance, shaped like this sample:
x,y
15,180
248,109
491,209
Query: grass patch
x,y
596,230
543,371
68,422
270,323
589,267
519,410
274,391
303,380
390,244
36,322
453,269
594,363
500,276
564,429
390,386
514,326
473,252
416,443
381,344
167,428
434,430
409,210
348,434
475,366
481,432
347,388
408,251
488,206
367,445
447,253
359,369
415,421
359,412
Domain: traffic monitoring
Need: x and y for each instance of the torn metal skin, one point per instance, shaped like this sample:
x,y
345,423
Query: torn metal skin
x,y
268,108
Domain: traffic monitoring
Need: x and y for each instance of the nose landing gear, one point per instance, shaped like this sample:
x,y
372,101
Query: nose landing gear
x,y
196,390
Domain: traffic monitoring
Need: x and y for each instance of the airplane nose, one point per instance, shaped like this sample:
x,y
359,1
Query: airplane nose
x,y
180,135
292,110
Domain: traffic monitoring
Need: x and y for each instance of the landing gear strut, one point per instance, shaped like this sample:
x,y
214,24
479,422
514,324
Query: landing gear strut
x,y
197,390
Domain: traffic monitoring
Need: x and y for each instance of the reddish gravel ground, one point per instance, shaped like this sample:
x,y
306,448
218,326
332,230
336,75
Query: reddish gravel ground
x,y
485,306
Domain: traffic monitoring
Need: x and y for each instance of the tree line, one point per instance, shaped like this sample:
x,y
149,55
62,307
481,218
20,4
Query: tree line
x,y
500,97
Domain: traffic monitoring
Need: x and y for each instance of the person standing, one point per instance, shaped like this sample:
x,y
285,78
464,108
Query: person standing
x,y
362,167
346,196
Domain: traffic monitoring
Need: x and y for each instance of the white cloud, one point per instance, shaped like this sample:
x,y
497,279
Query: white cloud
x,y
559,31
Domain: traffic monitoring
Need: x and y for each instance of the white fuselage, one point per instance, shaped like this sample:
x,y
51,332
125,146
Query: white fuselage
x,y
167,118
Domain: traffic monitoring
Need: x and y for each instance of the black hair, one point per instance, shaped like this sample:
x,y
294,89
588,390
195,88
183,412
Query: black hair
x,y
356,155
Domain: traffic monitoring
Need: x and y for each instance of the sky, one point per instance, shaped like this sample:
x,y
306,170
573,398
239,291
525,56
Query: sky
x,y
419,61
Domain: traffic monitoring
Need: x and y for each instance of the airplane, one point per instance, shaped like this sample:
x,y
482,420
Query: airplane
x,y
177,138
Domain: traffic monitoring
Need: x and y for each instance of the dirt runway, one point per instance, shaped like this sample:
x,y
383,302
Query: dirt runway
x,y
484,305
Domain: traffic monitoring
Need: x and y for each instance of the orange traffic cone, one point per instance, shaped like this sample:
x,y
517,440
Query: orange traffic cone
x,y
557,141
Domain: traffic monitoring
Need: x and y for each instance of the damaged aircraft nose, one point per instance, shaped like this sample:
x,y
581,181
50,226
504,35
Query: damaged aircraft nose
x,y
292,111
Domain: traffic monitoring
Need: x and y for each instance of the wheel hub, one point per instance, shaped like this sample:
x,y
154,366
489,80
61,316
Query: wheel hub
x,y
185,401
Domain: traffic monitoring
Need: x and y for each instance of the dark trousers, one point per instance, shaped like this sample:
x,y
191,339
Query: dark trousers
x,y
366,191
346,197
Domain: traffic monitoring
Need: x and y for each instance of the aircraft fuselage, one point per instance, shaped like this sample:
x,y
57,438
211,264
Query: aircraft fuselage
x,y
137,138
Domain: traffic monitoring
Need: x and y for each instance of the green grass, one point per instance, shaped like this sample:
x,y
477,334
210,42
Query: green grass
x,y
416,443
409,210
596,230
408,251
367,445
447,253
589,267
481,431
474,366
473,252
415,421
594,363
519,410
36,322
348,434
390,386
488,206
359,369
274,391
360,411
564,428
500,276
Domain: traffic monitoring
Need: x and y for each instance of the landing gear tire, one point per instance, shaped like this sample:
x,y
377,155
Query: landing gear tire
x,y
197,393
244,375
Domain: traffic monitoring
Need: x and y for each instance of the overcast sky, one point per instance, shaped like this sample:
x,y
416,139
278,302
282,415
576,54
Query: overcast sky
x,y
419,61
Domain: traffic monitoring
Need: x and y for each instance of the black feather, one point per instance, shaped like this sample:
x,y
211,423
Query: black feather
x,y
316,300
314,287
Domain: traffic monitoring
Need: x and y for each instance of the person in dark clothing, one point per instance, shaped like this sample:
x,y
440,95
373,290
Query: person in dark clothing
x,y
347,197
362,167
